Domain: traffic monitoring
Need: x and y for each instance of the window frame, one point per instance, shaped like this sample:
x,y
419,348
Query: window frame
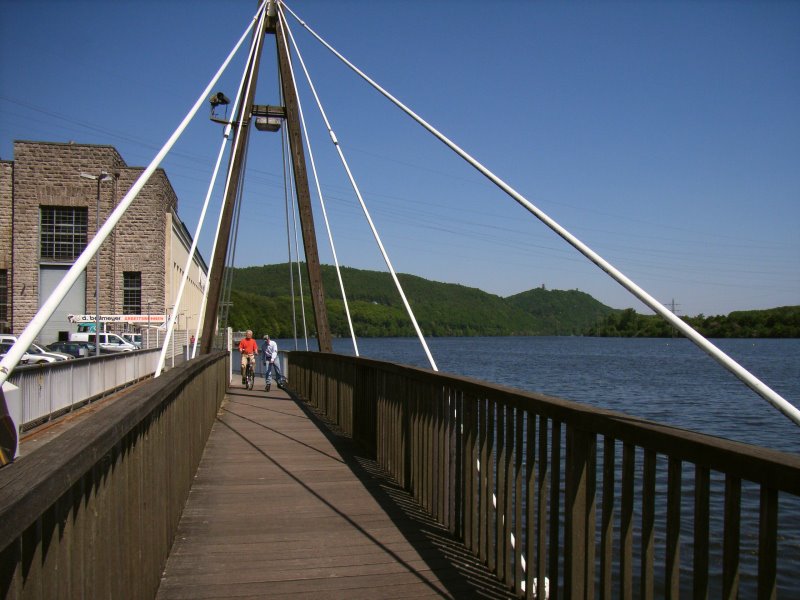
x,y
63,233
131,292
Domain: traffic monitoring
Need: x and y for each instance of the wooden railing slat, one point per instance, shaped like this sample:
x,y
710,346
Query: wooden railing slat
x,y
607,526
507,507
555,506
626,523
541,513
531,506
702,487
672,577
730,546
521,497
647,553
492,472
767,545
485,482
502,474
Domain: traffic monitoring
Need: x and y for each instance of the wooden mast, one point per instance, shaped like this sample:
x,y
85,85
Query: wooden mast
x,y
237,152
303,194
270,25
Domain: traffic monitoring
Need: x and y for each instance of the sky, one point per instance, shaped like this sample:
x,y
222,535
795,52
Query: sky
x,y
664,135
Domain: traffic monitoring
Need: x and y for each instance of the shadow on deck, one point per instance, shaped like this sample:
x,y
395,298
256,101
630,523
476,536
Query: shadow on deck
x,y
282,504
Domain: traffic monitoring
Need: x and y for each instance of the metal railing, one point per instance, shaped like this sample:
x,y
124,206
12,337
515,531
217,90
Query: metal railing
x,y
93,512
49,390
563,500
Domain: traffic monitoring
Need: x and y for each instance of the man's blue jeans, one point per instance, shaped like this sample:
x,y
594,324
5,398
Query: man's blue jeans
x,y
269,368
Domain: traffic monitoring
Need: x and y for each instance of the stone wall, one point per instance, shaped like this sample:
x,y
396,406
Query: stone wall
x,y
6,219
49,174
6,213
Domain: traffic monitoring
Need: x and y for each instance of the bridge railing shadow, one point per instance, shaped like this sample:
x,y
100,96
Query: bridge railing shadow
x,y
554,494
94,511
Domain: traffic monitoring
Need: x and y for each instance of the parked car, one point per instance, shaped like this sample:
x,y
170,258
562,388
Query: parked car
x,y
74,349
37,356
109,342
4,348
35,352
59,355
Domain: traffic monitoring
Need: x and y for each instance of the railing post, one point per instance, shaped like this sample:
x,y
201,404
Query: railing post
x,y
730,553
767,544
579,517
701,527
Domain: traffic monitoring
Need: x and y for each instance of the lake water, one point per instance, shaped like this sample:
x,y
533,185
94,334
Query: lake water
x,y
665,380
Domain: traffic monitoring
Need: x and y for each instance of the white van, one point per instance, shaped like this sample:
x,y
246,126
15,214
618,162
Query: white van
x,y
109,342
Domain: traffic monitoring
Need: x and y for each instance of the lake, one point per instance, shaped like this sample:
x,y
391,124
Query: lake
x,y
665,380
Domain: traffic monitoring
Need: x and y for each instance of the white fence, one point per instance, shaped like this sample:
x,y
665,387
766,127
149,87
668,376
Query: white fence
x,y
51,389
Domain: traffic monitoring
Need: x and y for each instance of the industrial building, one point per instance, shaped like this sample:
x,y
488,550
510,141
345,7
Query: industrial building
x,y
52,197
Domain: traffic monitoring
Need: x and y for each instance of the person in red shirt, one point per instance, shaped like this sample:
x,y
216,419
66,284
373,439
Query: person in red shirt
x,y
248,348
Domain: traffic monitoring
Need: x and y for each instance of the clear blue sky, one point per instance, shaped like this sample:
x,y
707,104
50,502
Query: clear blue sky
x,y
665,135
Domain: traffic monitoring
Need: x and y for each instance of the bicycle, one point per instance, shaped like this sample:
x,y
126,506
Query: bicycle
x,y
250,374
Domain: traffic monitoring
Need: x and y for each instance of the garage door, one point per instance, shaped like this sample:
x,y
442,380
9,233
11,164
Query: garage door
x,y
74,302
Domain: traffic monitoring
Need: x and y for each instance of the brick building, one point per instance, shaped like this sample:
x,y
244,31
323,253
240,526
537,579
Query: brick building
x,y
48,214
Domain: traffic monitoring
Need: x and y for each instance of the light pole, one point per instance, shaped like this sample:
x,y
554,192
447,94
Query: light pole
x,y
148,326
166,330
187,317
100,178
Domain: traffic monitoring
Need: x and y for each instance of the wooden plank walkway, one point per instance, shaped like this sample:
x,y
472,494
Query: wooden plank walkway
x,y
283,507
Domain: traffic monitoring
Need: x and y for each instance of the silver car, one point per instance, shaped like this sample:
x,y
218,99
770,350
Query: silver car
x,y
47,352
5,346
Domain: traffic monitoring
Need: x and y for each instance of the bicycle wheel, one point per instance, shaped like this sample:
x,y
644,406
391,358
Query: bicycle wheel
x,y
251,378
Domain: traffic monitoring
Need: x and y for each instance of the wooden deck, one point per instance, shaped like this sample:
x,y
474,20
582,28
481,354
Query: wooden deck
x,y
283,507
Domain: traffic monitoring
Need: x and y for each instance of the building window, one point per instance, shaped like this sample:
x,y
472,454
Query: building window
x,y
132,293
63,231
4,324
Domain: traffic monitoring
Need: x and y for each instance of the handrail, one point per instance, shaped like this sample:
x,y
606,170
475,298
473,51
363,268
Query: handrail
x,y
121,474
549,492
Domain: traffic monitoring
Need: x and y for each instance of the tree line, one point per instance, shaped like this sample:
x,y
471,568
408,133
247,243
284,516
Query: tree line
x,y
781,322
262,301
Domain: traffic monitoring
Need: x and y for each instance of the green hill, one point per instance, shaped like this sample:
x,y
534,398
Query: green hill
x,y
261,299
781,322
561,312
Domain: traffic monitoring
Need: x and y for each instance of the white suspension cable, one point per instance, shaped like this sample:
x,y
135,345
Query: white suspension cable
x,y
217,164
226,134
297,251
227,286
314,172
723,359
289,239
371,224
193,249
51,304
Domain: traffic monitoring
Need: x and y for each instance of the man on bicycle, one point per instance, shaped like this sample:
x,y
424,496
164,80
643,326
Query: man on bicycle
x,y
248,348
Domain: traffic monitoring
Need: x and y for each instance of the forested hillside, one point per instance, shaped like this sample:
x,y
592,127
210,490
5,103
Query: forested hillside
x,y
262,301
782,322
